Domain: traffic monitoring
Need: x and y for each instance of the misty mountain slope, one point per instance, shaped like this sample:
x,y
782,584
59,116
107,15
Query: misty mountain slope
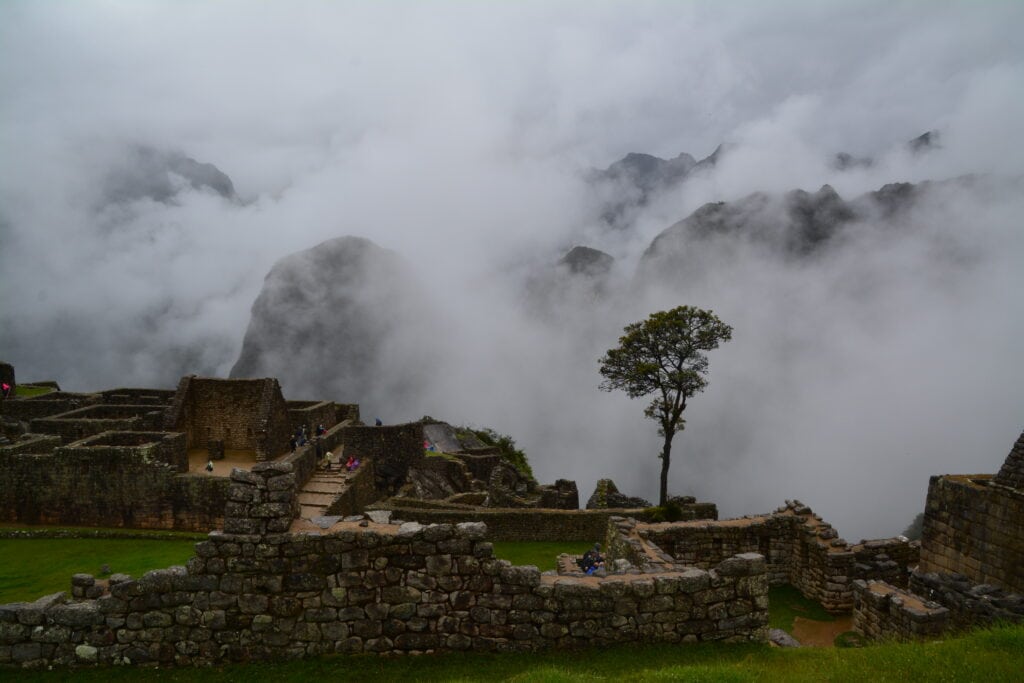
x,y
793,226
630,183
334,322
160,175
580,279
922,144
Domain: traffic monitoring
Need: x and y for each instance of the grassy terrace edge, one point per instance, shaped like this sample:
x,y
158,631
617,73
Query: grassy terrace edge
x,y
22,531
990,655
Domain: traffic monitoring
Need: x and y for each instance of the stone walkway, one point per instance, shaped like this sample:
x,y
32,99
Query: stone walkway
x,y
322,489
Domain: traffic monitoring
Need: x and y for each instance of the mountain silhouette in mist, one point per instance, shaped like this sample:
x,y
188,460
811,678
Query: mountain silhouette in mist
x,y
148,173
631,182
330,320
793,226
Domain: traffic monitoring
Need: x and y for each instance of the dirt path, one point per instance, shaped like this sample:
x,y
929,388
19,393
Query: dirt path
x,y
812,633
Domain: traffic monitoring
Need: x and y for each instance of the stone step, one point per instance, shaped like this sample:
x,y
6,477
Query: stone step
x,y
309,512
316,498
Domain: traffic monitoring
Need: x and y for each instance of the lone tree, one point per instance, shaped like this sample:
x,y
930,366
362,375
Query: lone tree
x,y
665,356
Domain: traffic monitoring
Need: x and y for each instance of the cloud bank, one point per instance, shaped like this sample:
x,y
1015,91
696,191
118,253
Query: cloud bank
x,y
458,135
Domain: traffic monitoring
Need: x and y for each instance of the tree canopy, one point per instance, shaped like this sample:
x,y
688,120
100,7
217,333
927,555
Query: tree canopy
x,y
665,355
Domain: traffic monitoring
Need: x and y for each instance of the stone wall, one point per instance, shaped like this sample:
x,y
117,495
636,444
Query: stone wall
x,y
393,449
973,526
311,414
246,414
96,419
346,412
253,592
113,479
155,397
41,444
800,549
361,491
881,610
46,405
510,524
1011,474
969,604
480,464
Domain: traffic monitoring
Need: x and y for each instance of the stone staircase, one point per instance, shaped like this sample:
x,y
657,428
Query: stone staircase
x,y
322,489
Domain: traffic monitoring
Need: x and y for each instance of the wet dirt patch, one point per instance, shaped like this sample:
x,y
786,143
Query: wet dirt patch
x,y
812,633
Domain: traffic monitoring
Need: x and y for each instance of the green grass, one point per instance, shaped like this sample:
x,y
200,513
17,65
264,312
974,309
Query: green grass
x,y
785,603
541,554
32,568
991,656
29,390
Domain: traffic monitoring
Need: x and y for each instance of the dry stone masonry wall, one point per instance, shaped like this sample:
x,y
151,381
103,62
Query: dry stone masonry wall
x,y
972,559
114,479
243,414
800,549
884,611
973,526
255,592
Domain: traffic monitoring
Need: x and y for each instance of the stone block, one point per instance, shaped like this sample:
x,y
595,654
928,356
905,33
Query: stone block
x,y
745,564
78,615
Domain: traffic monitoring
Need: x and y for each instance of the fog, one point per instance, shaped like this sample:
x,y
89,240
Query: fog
x,y
459,135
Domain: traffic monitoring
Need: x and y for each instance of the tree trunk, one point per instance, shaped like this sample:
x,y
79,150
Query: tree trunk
x,y
666,456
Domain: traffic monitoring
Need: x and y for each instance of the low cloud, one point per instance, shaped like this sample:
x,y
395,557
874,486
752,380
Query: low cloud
x,y
459,136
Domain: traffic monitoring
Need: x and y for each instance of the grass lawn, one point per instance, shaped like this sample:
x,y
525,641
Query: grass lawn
x,y
989,656
34,567
30,390
541,554
785,603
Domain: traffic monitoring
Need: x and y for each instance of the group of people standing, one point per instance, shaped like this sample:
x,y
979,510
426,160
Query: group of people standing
x,y
301,436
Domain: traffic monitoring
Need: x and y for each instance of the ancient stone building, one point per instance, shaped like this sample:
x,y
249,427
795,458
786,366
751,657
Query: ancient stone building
x,y
242,414
974,525
972,559
798,546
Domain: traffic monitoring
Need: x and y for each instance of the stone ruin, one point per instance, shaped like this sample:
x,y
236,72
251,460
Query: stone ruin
x,y
281,581
465,470
606,495
269,587
971,571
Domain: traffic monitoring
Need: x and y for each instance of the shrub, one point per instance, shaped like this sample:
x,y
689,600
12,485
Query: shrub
x,y
669,512
507,448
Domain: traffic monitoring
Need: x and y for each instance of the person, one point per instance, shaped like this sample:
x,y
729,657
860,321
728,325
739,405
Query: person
x,y
349,463
209,466
591,560
320,431
6,389
292,443
378,422
327,461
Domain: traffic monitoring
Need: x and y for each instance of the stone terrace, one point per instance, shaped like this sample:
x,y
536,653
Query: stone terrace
x,y
255,592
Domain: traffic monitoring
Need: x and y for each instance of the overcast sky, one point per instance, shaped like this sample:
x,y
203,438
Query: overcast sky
x,y
456,134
